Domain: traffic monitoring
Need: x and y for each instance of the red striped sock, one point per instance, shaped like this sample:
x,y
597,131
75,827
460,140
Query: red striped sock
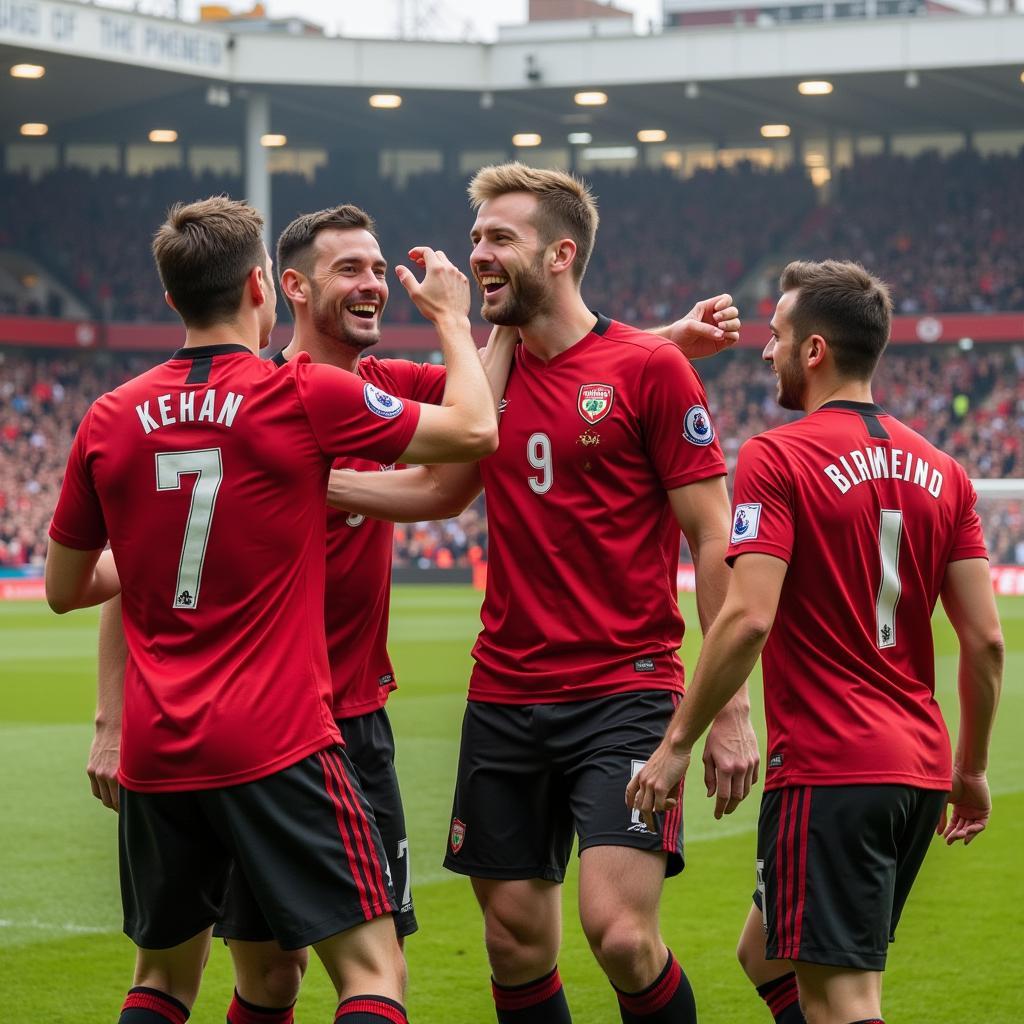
x,y
151,1006
370,1010
667,1000
783,999
241,1011
541,1001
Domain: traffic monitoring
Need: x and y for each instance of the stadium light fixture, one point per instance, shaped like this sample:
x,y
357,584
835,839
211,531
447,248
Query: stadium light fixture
x,y
912,80
610,153
815,159
775,131
814,88
590,99
523,139
272,141
820,176
692,91
673,159
28,71
651,135
1022,78
34,128
163,135
580,138
386,101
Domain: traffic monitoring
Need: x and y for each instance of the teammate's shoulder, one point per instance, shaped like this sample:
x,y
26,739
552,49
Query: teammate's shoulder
x,y
625,334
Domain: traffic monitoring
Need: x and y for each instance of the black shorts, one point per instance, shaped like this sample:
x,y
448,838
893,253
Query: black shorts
x,y
302,838
531,777
835,865
370,746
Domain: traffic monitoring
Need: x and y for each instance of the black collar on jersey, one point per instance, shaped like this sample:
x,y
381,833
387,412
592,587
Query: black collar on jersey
x,y
603,323
869,412
280,359
201,351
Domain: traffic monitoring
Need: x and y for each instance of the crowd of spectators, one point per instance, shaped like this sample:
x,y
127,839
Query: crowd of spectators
x,y
946,232
969,403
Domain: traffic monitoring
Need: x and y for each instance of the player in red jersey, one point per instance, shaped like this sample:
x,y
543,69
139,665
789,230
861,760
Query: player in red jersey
x,y
333,276
847,528
230,757
607,450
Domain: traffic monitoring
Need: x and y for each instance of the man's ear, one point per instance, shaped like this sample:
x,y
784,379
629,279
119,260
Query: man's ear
x,y
170,301
294,286
817,348
257,287
561,255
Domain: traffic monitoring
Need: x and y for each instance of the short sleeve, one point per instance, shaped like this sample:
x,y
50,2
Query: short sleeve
x,y
678,431
78,519
350,416
763,507
969,541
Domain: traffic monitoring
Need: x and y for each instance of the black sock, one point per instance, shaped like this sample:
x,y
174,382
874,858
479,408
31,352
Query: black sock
x,y
667,1000
151,1006
783,999
869,1020
541,1001
370,1010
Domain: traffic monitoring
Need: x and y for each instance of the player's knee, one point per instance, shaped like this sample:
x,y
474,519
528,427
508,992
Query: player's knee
x,y
623,946
516,946
282,977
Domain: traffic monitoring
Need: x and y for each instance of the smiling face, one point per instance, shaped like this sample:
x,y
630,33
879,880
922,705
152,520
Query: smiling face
x,y
783,353
348,286
508,261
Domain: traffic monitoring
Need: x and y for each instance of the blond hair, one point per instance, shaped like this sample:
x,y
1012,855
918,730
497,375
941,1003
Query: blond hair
x,y
566,207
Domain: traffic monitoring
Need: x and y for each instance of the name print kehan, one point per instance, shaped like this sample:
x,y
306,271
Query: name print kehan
x,y
189,407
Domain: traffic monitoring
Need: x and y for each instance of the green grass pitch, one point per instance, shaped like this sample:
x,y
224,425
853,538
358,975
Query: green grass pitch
x,y
63,959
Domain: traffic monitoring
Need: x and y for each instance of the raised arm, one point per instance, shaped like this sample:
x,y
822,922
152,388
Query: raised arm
x,y
969,602
712,325
464,427
730,650
106,745
731,757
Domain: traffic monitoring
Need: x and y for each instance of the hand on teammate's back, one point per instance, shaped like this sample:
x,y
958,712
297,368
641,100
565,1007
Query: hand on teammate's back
x,y
444,290
972,805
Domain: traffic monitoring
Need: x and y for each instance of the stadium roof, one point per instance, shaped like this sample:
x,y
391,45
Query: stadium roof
x,y
113,84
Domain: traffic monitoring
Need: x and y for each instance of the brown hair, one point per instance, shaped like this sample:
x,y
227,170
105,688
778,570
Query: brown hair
x,y
566,207
204,252
850,308
295,246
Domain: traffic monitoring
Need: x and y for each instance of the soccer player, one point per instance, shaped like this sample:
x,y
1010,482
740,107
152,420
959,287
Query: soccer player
x,y
230,757
607,450
847,528
333,276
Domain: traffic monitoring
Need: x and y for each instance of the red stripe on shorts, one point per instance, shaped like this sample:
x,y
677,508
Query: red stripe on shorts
x,y
672,823
350,853
375,873
782,874
798,911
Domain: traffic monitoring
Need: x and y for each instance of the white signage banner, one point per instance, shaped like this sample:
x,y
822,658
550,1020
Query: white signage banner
x,y
114,35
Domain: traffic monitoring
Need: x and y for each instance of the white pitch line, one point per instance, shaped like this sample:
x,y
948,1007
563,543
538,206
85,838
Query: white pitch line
x,y
67,926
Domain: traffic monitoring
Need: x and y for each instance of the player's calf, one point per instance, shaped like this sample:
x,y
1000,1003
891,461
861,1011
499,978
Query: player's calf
x,y
267,980
774,980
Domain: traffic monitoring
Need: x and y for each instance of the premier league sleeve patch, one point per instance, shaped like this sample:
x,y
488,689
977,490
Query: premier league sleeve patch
x,y
697,428
380,403
745,522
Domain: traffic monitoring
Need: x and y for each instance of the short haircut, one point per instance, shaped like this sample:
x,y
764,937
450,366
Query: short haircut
x,y
566,207
204,252
850,308
295,246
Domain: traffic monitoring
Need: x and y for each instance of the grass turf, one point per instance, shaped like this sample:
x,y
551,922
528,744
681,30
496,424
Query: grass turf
x,y
64,960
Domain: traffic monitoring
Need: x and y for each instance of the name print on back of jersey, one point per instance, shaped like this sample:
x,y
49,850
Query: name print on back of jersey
x,y
182,409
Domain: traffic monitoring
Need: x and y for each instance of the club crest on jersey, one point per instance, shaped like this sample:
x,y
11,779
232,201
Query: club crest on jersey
x,y
697,428
380,403
458,835
595,401
746,521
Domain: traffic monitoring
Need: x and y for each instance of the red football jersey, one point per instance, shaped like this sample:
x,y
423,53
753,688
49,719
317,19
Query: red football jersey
x,y
583,546
359,553
208,474
868,515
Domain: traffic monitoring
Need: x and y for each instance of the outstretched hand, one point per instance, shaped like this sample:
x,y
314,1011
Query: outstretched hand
x,y
731,760
444,290
712,325
972,805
